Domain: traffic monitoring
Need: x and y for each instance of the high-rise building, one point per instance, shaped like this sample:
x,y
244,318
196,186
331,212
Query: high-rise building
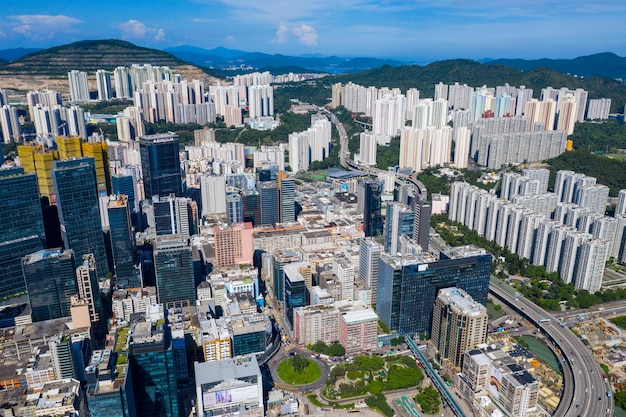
x,y
408,285
459,324
234,208
421,223
368,147
160,163
10,124
371,200
79,211
79,87
151,360
599,109
88,289
400,218
216,342
591,262
213,189
287,195
22,231
260,101
61,355
268,208
369,256
122,246
295,291
50,280
103,81
233,244
281,258
173,268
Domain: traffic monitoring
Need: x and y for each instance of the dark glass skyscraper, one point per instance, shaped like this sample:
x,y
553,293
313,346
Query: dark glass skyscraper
x,y
21,229
122,243
408,285
50,280
125,184
79,210
421,226
160,164
173,268
153,370
372,214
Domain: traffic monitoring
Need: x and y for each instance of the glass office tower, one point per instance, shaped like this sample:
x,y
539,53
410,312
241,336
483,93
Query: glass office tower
x,y
22,228
79,209
160,164
408,285
50,279
173,268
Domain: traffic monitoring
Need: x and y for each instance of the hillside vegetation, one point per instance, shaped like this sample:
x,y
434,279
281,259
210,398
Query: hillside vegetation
x,y
89,56
605,64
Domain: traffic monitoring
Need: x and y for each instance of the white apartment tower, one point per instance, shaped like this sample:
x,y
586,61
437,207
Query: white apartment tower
x,y
79,87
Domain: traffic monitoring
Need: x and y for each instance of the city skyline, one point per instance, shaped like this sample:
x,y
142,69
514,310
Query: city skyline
x,y
393,29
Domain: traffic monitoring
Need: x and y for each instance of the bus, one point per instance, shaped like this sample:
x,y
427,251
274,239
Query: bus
x,y
544,320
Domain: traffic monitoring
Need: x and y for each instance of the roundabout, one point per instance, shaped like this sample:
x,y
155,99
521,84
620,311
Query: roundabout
x,y
298,370
283,356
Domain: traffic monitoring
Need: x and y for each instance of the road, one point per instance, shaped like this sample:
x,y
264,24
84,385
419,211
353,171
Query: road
x,y
344,152
610,309
283,354
584,388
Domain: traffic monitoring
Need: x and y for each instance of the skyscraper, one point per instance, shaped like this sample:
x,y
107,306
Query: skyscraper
x,y
160,163
287,198
151,360
79,211
10,124
79,87
421,225
234,208
399,222
459,323
369,256
372,216
103,80
122,248
22,228
50,280
408,285
268,211
88,289
173,268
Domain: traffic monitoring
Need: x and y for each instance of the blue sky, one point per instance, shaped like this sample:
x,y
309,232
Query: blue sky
x,y
417,29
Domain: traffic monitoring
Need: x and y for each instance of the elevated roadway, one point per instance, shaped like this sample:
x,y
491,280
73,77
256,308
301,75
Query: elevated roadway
x,y
585,390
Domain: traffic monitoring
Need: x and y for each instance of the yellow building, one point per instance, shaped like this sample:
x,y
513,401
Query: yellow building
x,y
38,159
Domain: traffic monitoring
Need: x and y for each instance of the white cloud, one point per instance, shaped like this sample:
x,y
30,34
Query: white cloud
x,y
202,20
41,26
281,34
230,38
134,29
306,35
160,36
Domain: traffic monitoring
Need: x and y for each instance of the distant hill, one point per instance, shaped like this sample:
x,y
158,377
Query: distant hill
x,y
605,64
90,56
223,58
49,67
476,74
16,53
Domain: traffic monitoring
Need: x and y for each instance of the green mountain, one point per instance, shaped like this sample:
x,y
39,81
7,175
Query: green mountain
x,y
88,56
476,74
605,64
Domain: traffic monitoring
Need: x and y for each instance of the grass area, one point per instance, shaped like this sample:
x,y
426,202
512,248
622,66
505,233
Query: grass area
x,y
314,400
619,321
121,339
288,374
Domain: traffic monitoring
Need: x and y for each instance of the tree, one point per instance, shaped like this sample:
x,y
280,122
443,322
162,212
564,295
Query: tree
x,y
299,364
